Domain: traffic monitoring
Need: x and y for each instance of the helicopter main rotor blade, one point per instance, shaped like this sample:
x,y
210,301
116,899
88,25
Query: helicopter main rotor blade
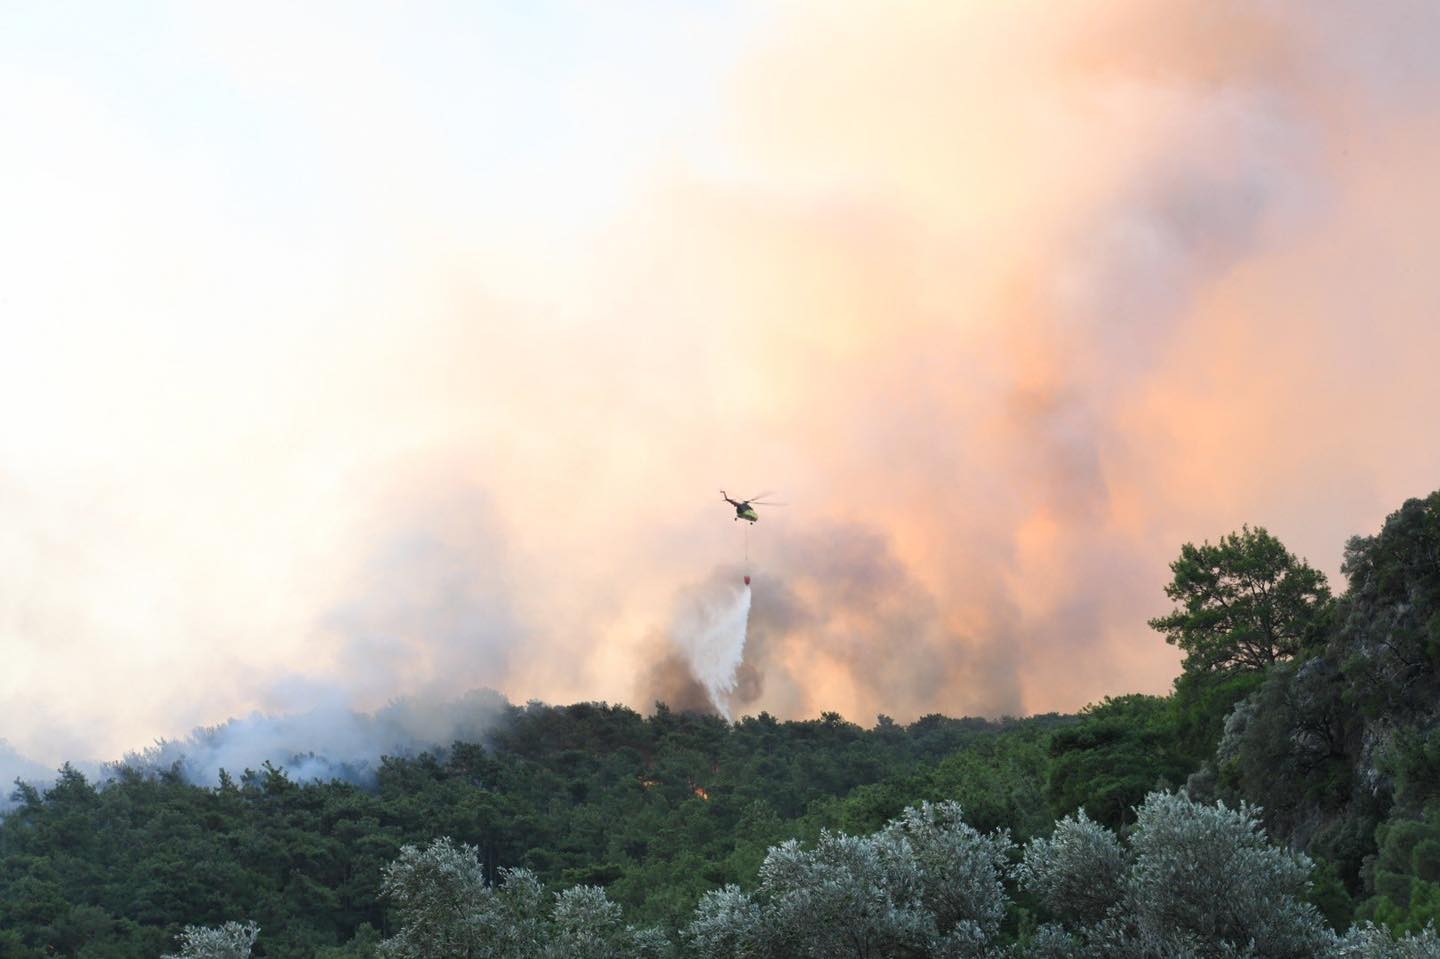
x,y
760,496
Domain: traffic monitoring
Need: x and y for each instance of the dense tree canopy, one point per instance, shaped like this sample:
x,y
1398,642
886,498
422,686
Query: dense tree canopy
x,y
655,810
1245,603
1120,750
1391,612
591,830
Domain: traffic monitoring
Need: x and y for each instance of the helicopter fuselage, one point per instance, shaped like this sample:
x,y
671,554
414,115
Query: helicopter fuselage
x,y
743,509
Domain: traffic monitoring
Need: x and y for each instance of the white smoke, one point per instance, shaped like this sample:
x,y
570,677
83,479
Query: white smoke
x,y
326,742
16,768
710,631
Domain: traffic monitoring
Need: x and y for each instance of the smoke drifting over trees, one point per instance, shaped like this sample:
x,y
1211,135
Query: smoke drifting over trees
x,y
14,766
988,295
758,837
325,743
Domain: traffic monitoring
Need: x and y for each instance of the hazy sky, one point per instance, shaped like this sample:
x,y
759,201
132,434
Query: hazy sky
x,y
363,350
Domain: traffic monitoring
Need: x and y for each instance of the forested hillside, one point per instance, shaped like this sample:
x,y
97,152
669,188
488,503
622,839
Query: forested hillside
x,y
1322,711
658,810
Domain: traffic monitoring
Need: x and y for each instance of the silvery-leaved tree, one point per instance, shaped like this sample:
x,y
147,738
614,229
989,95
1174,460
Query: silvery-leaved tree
x,y
442,901
1196,880
927,885
1368,941
446,910
232,940
1207,873
852,896
961,871
585,924
1078,872
727,925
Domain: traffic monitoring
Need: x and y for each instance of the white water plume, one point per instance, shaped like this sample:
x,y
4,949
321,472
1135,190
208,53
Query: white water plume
x,y
711,633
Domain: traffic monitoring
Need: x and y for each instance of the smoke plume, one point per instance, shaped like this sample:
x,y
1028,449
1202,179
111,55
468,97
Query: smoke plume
x,y
13,767
326,742
358,390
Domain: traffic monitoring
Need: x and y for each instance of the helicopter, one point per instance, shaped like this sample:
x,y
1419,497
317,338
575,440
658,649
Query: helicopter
x,y
745,508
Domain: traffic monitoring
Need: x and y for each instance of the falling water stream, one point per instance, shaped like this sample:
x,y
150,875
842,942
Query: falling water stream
x,y
712,635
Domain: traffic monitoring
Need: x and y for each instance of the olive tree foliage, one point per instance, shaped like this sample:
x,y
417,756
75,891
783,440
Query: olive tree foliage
x,y
855,896
1208,874
585,924
1078,872
1368,941
961,870
232,940
727,925
446,910
1245,603
926,885
1050,941
1196,880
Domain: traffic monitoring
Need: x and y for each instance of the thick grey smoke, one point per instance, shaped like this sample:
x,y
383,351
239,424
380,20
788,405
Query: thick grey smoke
x,y
668,679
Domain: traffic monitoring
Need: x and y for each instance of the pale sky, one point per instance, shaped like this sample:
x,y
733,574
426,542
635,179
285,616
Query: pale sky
x,y
365,350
